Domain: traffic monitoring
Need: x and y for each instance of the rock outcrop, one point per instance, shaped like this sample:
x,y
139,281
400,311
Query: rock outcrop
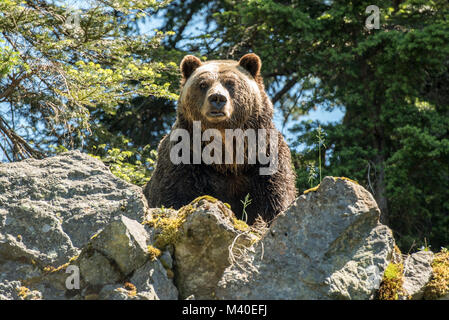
x,y
70,210
328,245
69,229
202,249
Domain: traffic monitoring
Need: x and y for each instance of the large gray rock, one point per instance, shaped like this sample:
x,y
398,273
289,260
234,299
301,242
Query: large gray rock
x,y
119,252
328,245
125,242
152,282
96,269
417,273
202,251
70,210
50,208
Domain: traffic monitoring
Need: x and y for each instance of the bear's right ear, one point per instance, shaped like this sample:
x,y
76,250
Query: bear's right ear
x,y
189,64
251,62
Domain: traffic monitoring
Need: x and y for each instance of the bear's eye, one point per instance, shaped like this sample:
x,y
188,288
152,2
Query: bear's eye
x,y
203,85
229,84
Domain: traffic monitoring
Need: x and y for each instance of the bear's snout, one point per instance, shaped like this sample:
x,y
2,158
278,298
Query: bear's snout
x,y
217,101
217,107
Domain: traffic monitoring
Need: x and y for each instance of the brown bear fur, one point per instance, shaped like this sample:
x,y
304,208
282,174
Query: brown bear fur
x,y
248,106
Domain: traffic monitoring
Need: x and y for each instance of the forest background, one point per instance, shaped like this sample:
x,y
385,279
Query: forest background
x,y
355,99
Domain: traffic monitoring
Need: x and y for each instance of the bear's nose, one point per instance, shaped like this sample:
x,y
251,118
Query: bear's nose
x,y
217,100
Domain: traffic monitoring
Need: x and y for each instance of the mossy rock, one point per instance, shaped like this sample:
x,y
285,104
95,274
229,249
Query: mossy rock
x,y
391,286
335,178
168,223
205,197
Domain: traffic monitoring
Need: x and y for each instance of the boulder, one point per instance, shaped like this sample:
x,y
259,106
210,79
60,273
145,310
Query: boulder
x,y
152,282
328,245
70,210
417,273
124,242
206,239
9,290
50,208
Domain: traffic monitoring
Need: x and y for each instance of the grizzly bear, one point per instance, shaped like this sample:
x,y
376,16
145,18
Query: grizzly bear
x,y
223,95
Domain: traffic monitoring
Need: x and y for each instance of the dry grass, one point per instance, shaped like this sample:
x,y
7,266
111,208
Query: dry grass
x,y
438,285
242,246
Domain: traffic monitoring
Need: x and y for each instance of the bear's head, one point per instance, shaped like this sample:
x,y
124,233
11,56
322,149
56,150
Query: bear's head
x,y
223,94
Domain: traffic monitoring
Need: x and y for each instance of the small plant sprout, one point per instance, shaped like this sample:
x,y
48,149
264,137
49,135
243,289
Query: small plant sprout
x,y
246,202
320,137
425,247
312,174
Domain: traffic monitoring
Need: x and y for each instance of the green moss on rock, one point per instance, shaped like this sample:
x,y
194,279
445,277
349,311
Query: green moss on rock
x,y
391,286
311,189
153,252
168,225
240,225
205,197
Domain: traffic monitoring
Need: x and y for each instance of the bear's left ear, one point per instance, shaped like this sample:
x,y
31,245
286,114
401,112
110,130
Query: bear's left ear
x,y
252,63
189,64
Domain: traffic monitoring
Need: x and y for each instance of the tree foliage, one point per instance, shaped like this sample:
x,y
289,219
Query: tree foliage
x,y
391,83
65,70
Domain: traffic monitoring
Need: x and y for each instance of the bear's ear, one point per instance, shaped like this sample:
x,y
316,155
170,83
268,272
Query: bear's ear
x,y
188,64
252,63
